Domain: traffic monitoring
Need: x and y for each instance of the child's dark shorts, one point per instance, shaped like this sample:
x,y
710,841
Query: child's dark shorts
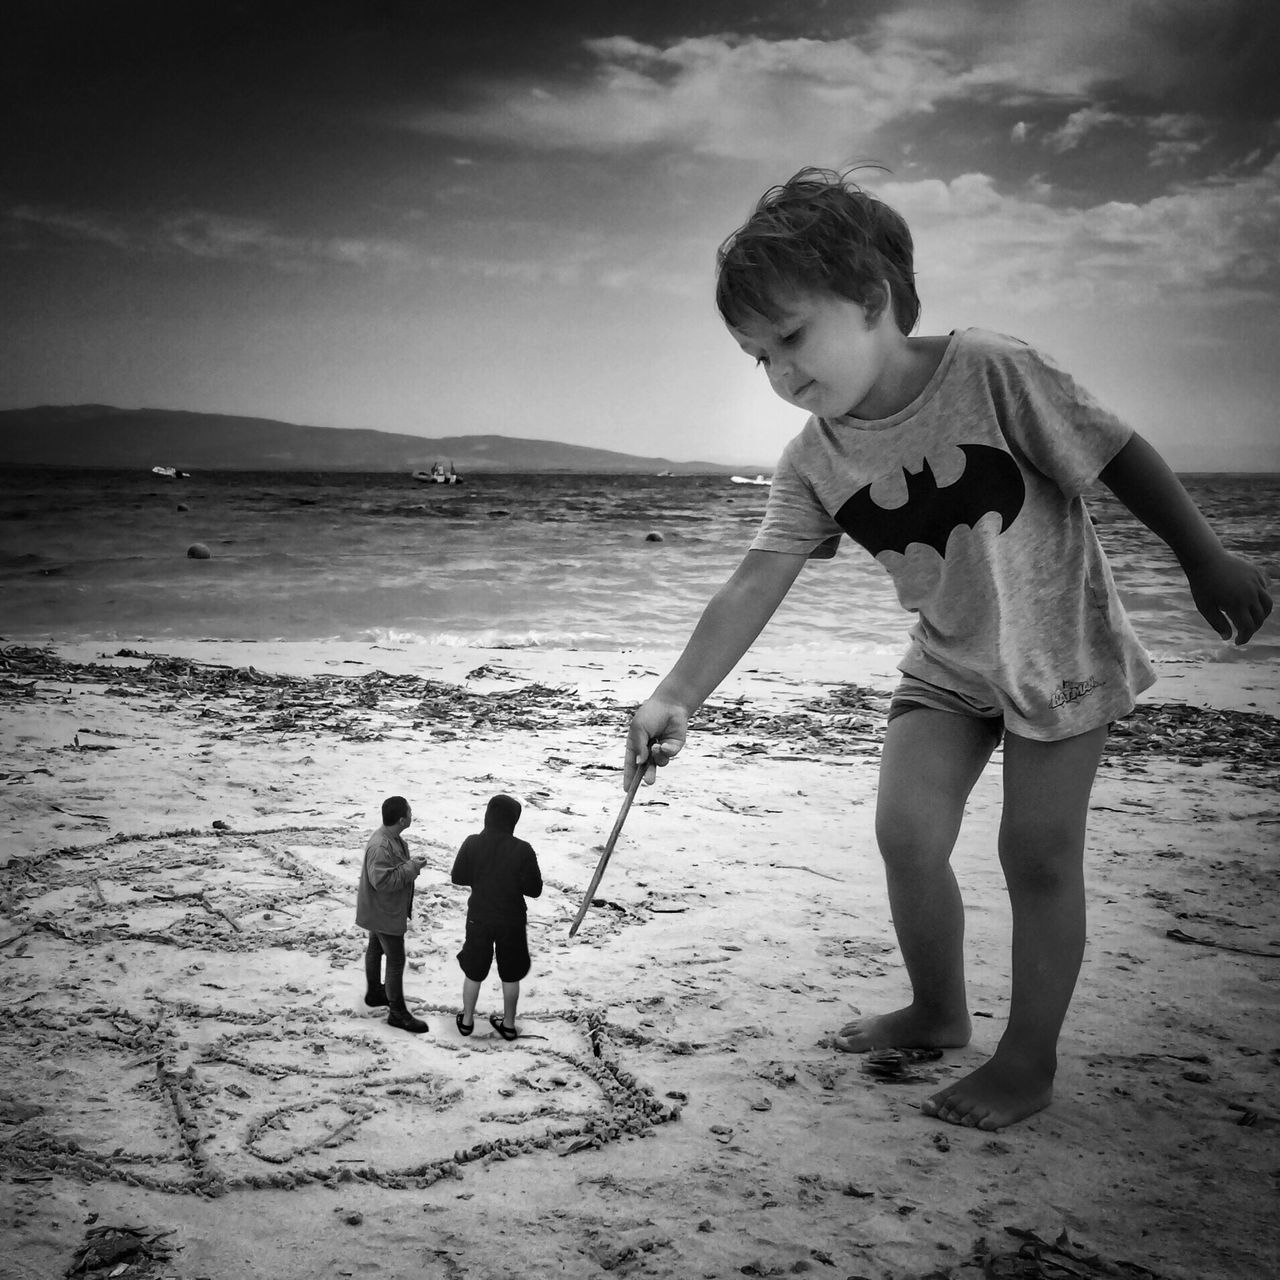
x,y
485,939
912,692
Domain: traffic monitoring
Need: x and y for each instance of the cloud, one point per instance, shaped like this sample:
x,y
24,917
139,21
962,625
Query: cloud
x,y
776,101
1080,124
524,254
1173,132
738,98
1173,153
1171,124
779,103
197,234
24,223
1179,138
1208,245
1217,53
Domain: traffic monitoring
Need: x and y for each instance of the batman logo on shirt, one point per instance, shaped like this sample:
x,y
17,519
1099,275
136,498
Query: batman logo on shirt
x,y
990,481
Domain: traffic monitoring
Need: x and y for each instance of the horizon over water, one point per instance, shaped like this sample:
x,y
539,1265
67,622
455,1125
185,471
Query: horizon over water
x,y
557,560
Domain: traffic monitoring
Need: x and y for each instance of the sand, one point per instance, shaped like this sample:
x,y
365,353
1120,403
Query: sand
x,y
186,1051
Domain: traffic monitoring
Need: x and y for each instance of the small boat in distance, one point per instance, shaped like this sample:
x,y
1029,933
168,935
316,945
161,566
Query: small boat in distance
x,y
171,473
438,475
760,479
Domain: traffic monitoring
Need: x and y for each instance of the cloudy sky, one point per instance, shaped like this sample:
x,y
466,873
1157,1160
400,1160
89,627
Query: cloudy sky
x,y
467,216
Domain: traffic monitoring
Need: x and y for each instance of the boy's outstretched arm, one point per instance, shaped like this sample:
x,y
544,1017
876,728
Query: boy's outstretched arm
x,y
1230,591
729,624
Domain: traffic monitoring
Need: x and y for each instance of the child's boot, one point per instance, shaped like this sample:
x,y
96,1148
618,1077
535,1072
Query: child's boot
x,y
376,997
402,1018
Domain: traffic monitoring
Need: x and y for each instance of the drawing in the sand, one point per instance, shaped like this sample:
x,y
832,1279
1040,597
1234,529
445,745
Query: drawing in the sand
x,y
211,1093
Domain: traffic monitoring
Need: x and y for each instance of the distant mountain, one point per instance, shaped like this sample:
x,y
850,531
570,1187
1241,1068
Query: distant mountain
x,y
94,435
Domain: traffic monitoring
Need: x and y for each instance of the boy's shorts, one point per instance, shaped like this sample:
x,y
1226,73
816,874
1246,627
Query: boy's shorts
x,y
484,939
913,692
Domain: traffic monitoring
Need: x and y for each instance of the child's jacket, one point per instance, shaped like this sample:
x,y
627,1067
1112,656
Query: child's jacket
x,y
384,897
501,869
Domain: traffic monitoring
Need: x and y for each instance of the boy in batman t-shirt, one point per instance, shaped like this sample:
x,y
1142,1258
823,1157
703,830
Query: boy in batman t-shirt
x,y
970,497
959,463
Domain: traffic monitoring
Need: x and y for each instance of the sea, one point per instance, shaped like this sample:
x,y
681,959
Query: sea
x,y
559,561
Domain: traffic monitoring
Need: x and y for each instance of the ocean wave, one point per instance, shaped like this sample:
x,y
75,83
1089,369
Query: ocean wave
x,y
493,638
1258,652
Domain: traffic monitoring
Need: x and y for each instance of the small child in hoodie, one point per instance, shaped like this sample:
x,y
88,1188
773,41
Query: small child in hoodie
x,y
502,871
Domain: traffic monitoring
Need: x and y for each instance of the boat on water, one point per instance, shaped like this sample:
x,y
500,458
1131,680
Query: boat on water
x,y
171,473
438,475
760,479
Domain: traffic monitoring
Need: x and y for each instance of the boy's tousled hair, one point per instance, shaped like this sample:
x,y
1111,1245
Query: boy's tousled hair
x,y
393,809
818,230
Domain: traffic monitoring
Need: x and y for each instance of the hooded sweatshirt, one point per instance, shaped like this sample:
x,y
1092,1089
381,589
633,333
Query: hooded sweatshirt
x,y
501,869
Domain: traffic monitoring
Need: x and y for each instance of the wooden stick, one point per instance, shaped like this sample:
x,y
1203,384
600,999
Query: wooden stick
x,y
636,779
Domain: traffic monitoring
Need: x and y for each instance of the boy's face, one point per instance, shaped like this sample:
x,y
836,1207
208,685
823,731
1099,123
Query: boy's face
x,y
822,354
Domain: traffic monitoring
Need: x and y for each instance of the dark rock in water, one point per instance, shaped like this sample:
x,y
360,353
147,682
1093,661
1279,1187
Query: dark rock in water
x,y
197,551
654,537
182,506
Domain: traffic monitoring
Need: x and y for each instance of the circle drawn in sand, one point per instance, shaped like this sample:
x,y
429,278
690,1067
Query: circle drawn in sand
x,y
304,1127
282,1053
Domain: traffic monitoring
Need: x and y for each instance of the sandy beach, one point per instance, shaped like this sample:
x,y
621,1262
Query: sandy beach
x,y
186,1052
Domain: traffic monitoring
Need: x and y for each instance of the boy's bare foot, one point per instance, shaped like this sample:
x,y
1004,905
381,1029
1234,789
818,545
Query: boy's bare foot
x,y
904,1029
998,1093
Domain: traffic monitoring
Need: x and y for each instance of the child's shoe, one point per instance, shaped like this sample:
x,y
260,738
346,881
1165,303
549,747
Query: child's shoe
x,y
403,1019
376,997
499,1023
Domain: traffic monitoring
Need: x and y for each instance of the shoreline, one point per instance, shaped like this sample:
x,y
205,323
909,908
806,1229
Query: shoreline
x,y
182,979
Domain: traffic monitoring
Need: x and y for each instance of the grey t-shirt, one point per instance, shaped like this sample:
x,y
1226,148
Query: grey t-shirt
x,y
970,497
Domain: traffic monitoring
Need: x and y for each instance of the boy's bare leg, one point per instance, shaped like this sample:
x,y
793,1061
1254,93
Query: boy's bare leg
x,y
470,994
510,998
1046,805
930,761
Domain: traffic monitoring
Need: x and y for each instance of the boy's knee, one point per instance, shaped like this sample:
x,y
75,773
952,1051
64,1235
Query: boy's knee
x,y
907,839
1041,857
